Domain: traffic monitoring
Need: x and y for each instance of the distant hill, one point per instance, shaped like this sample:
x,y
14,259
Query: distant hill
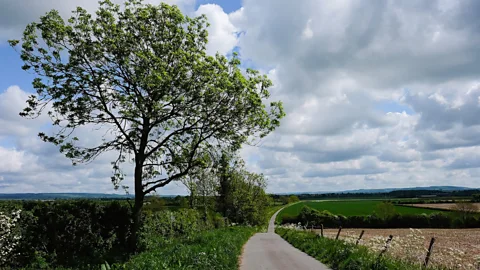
x,y
64,196
56,196
387,190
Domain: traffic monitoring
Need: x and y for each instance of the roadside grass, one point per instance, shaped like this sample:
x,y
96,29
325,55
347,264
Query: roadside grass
x,y
214,249
340,255
352,208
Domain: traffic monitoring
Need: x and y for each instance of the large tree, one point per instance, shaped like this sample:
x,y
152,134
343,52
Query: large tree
x,y
141,72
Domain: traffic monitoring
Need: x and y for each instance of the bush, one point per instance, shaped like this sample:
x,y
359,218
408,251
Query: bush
x,y
214,249
9,235
72,233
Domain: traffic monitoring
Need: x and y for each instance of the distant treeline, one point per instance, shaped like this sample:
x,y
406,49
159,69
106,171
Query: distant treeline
x,y
397,194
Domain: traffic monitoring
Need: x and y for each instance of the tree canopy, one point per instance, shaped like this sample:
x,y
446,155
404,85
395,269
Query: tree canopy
x,y
141,72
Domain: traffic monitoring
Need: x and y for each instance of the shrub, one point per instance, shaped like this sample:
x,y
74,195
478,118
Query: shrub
x,y
9,236
72,233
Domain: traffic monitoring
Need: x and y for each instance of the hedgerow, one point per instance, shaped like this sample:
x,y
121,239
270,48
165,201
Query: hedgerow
x,y
312,217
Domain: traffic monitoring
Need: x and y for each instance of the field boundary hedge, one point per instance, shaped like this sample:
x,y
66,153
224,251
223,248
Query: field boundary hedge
x,y
313,218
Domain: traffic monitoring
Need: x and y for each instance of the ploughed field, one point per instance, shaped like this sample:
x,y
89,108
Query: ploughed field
x,y
454,248
353,208
441,206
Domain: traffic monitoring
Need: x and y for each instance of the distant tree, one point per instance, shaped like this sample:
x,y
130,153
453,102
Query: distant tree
x,y
476,197
293,199
385,210
156,203
248,201
181,202
241,194
141,72
203,185
284,199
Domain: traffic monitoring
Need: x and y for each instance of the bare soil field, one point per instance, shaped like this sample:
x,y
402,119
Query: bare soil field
x,y
445,206
454,248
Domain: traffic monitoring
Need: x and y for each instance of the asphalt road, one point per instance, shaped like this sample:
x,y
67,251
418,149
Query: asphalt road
x,y
268,251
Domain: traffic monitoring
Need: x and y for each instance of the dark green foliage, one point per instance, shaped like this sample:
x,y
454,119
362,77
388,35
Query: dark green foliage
x,y
214,249
154,204
84,234
396,194
385,210
242,198
72,233
293,199
309,216
340,255
476,197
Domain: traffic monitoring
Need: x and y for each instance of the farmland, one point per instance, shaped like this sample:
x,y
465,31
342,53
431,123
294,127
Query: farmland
x,y
442,206
459,249
352,208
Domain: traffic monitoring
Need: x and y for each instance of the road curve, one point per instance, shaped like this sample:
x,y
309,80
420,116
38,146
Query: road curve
x,y
268,251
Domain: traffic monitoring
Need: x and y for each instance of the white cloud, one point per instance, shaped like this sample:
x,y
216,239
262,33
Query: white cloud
x,y
336,63
15,15
377,94
222,34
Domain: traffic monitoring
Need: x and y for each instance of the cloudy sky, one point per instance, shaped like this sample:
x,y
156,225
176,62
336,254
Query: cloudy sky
x,y
377,94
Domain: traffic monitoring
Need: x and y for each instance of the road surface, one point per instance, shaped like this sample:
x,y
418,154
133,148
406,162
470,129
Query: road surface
x,y
268,251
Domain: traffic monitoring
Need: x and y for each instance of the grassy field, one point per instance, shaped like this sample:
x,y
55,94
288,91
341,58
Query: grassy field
x,y
352,208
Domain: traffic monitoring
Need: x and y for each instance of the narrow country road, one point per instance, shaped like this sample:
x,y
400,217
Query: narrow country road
x,y
268,251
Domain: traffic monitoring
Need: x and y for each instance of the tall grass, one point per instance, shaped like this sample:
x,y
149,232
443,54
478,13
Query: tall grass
x,y
341,255
208,250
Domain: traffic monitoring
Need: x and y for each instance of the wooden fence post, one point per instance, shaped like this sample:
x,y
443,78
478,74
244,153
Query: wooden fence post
x,y
338,234
389,240
321,230
430,248
360,237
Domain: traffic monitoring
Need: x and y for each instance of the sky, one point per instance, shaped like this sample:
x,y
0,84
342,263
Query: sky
x,y
377,94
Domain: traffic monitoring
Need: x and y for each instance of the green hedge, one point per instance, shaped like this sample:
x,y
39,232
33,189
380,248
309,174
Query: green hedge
x,y
209,250
312,217
71,233
85,233
340,255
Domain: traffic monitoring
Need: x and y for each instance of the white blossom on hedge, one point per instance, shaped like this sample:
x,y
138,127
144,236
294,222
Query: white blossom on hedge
x,y
8,236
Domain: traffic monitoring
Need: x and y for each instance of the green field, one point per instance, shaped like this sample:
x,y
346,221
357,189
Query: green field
x,y
351,208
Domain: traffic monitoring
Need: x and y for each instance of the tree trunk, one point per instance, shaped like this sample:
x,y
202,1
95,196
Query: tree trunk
x,y
137,209
137,222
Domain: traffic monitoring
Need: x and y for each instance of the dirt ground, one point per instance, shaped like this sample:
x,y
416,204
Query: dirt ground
x,y
447,206
456,248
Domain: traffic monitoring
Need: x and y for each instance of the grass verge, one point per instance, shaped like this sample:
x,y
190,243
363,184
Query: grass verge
x,y
340,255
215,249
